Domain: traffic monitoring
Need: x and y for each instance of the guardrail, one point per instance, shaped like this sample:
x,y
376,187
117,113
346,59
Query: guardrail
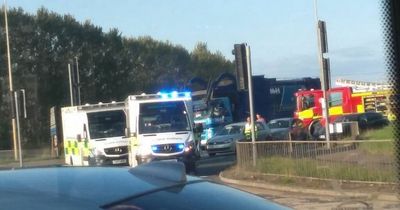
x,y
369,160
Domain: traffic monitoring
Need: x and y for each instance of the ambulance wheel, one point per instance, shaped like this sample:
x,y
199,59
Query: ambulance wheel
x,y
91,161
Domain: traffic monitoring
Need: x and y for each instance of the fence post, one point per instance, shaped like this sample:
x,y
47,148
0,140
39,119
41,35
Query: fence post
x,y
354,130
237,154
290,145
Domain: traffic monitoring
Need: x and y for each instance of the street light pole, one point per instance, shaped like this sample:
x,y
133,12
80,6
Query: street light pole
x,y
10,81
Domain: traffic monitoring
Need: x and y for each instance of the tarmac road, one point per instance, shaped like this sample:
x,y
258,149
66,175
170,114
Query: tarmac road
x,y
209,168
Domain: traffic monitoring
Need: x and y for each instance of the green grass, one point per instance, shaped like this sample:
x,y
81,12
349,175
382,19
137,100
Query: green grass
x,y
384,148
384,133
318,169
378,148
29,159
30,155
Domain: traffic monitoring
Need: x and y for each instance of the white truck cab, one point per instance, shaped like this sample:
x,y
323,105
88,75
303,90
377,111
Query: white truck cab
x,y
161,128
94,134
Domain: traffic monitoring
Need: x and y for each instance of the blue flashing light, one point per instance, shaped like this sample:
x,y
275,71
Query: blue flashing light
x,y
187,94
154,148
181,146
174,94
164,95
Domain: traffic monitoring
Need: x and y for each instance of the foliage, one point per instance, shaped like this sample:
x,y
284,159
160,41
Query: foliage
x,y
111,66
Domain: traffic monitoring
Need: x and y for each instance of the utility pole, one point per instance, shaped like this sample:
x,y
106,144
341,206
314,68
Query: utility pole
x,y
71,93
78,84
324,70
10,81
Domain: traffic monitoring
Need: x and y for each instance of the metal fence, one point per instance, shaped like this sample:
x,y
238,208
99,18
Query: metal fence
x,y
369,160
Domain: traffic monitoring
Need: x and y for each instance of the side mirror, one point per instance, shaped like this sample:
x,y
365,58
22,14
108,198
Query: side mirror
x,y
126,132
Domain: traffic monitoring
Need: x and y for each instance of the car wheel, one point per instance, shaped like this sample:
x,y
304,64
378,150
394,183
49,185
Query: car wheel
x,y
190,167
315,129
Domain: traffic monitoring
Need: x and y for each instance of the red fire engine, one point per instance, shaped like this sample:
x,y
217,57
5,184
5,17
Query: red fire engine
x,y
341,101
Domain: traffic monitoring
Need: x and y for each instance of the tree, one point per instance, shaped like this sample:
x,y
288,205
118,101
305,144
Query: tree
x,y
111,66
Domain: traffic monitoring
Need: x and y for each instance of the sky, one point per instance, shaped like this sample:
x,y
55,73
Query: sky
x,y
281,33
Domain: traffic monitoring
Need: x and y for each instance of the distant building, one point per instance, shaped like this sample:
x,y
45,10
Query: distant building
x,y
362,85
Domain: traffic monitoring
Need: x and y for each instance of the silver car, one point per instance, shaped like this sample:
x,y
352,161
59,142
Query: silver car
x,y
281,128
225,139
155,185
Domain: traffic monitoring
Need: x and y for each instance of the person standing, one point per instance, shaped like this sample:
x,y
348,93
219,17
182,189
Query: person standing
x,y
247,129
260,118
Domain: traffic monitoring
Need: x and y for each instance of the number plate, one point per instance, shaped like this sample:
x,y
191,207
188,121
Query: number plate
x,y
171,160
119,161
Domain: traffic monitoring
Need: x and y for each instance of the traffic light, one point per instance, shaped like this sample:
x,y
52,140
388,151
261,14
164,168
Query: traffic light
x,y
241,66
323,36
323,41
326,73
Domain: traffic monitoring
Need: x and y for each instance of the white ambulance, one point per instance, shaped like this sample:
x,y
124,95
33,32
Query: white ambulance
x,y
161,128
94,134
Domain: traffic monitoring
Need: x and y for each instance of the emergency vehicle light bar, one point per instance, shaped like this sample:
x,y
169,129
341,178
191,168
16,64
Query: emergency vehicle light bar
x,y
99,105
162,95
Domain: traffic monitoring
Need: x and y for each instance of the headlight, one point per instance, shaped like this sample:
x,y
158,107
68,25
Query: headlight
x,y
96,152
188,148
210,133
144,150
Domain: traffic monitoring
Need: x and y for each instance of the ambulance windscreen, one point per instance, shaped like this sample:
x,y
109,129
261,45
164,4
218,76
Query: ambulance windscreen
x,y
162,117
106,124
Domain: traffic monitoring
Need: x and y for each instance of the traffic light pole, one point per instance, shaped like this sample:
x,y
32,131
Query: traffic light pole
x,y
18,127
250,83
324,70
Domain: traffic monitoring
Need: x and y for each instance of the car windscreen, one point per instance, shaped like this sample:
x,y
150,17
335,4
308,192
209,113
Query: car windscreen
x,y
106,124
229,130
345,118
162,117
202,195
279,124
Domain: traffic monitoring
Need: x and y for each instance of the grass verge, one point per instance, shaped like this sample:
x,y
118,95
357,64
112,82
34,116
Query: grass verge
x,y
384,148
384,133
323,169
